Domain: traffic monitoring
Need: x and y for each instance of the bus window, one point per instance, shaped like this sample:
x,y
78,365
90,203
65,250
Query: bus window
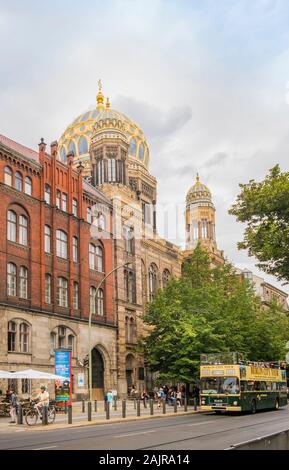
x,y
263,386
250,386
269,386
283,386
257,386
274,386
243,386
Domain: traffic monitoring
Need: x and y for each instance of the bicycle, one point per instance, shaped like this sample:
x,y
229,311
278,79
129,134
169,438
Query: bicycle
x,y
31,417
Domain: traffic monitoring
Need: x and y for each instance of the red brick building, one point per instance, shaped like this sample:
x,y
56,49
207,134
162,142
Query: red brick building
x,y
55,247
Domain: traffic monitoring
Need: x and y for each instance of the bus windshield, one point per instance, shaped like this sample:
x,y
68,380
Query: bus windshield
x,y
229,385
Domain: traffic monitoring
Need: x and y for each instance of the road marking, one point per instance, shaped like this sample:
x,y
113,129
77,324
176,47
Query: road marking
x,y
41,448
199,424
133,434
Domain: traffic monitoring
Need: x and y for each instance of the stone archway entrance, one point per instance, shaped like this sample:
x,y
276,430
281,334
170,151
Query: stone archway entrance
x,y
97,375
129,370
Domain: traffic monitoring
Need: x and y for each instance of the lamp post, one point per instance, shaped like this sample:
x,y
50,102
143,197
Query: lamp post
x,y
89,327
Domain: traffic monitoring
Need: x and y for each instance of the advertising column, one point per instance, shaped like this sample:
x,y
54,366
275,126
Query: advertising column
x,y
63,388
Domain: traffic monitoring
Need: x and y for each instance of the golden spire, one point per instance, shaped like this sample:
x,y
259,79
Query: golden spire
x,y
197,177
107,103
100,97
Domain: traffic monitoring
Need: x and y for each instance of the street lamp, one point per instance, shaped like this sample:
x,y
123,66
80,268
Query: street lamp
x,y
89,327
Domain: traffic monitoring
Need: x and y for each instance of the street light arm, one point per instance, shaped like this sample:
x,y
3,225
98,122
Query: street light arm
x,y
89,325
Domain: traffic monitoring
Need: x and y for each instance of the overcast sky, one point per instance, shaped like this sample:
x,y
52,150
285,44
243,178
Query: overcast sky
x,y
207,80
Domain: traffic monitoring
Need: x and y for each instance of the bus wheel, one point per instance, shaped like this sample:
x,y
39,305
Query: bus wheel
x,y
218,412
253,407
277,404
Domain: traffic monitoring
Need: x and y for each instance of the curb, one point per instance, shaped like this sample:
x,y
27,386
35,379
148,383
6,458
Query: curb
x,y
52,427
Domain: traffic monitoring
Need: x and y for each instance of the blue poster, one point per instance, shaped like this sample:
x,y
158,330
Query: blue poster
x,y
63,368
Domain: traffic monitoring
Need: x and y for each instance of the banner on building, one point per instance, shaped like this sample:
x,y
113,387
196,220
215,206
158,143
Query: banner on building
x,y
80,379
63,388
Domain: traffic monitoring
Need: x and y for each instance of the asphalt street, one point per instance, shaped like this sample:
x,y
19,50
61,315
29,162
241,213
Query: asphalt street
x,y
199,431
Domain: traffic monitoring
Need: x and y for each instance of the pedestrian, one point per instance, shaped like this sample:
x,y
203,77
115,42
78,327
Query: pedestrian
x,y
161,395
179,398
109,397
196,394
42,398
13,406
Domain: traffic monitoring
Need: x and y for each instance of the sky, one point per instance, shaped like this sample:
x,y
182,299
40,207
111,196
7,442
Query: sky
x,y
207,81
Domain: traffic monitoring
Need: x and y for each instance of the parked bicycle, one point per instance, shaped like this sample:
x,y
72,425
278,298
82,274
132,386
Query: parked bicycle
x,y
31,417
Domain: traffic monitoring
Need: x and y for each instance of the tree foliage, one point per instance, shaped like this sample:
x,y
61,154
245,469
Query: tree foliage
x,y
264,207
209,310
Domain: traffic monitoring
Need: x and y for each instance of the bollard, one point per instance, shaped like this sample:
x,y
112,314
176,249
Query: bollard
x,y
107,411
151,407
164,406
69,414
115,403
89,411
186,404
195,404
138,408
95,405
83,406
65,408
45,415
134,403
175,405
19,414
123,408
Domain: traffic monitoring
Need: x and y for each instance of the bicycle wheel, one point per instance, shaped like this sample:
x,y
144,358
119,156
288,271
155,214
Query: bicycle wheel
x,y
51,415
31,417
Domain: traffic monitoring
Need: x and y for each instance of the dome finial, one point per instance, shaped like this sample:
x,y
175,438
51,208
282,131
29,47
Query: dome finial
x,y
197,177
100,97
107,103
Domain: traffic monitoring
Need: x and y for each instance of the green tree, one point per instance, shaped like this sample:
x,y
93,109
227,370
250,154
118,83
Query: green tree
x,y
264,207
209,309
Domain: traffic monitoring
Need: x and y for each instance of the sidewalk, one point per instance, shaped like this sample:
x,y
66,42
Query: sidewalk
x,y
80,419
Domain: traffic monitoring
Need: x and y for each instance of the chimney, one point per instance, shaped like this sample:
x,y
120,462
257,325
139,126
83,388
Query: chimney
x,y
42,149
54,148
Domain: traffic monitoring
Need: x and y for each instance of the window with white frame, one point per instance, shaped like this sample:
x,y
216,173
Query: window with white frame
x,y
48,288
28,186
11,226
61,337
47,239
11,279
100,302
64,202
58,200
75,296
23,282
23,230
24,338
8,176
111,170
88,215
74,207
62,292
95,257
61,244
75,249
18,181
47,194
92,300
12,336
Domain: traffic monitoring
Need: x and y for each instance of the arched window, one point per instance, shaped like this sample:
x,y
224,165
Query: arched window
x,y
11,226
28,186
23,230
128,234
132,147
111,170
48,288
75,249
61,244
61,337
82,146
96,257
63,154
141,151
18,181
47,194
11,279
153,280
129,279
92,298
100,302
23,282
166,277
70,343
71,147
8,176
100,172
24,337
11,336
204,229
62,292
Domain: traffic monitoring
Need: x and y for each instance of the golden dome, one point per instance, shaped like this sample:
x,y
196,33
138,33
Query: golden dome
x,y
77,135
199,192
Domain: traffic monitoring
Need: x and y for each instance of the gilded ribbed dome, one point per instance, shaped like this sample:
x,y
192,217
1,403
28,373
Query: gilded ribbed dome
x,y
199,192
77,135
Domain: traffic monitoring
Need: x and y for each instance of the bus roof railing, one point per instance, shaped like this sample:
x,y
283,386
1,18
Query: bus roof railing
x,y
236,358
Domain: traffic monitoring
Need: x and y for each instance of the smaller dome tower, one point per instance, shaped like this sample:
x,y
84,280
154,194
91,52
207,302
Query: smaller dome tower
x,y
200,217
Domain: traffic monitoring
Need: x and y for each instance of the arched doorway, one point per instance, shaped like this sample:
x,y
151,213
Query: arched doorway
x,y
129,369
97,375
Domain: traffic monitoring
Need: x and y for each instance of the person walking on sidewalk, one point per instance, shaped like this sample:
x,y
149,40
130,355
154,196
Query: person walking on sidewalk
x,y
109,397
13,406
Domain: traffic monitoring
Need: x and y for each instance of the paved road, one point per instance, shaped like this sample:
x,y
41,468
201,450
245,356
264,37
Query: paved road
x,y
199,431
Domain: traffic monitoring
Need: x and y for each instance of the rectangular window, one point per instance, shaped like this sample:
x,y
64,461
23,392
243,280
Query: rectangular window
x,y
11,226
74,207
75,296
23,283
26,386
61,244
75,249
64,202
58,199
88,215
48,288
61,337
23,338
62,292
11,336
47,194
23,227
11,279
47,239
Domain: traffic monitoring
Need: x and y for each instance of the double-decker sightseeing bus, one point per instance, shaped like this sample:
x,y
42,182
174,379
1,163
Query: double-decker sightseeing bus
x,y
229,383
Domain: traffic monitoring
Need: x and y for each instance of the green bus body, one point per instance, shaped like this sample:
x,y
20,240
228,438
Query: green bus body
x,y
242,388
